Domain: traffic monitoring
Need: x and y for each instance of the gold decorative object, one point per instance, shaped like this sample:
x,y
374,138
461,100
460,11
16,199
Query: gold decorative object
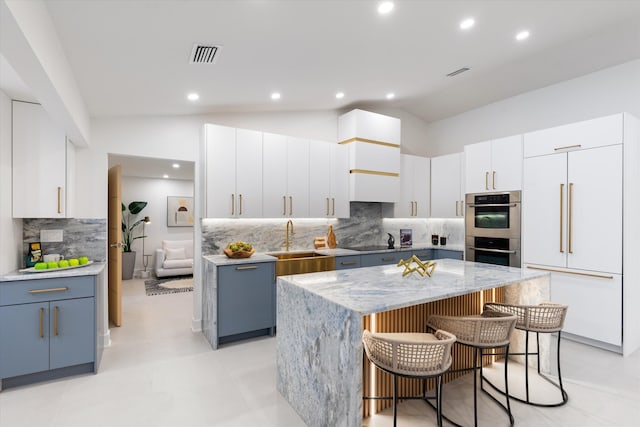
x,y
423,267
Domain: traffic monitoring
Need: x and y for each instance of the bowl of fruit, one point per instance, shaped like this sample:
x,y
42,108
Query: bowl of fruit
x,y
239,250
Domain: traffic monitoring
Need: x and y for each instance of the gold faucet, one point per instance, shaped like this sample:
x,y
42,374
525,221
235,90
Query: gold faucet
x,y
287,238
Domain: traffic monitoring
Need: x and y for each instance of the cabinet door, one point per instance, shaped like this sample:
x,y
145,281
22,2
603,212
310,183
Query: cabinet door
x,y
506,164
274,176
421,186
544,210
339,181
220,171
478,172
38,164
248,173
245,298
595,221
320,171
445,186
24,339
405,208
595,305
448,253
370,260
298,177
72,332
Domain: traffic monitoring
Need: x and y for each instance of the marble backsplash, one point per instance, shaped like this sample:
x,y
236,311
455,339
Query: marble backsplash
x,y
366,226
81,237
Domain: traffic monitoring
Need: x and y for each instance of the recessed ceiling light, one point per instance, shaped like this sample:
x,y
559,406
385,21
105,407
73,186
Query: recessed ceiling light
x,y
467,23
385,7
275,95
340,95
193,96
522,35
175,166
165,176
391,95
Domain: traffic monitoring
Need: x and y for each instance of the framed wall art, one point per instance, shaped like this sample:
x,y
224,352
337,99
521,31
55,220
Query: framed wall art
x,y
179,211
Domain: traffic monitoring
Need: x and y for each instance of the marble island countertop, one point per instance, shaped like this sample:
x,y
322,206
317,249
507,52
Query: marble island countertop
x,y
93,269
376,289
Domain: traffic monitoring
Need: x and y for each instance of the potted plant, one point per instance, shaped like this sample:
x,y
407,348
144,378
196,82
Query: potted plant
x,y
129,225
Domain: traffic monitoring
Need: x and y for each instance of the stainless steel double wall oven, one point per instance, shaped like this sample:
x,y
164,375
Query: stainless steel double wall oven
x,y
492,228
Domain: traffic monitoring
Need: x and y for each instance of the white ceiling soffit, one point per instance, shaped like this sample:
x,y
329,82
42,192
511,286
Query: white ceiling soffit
x,y
147,167
12,85
309,50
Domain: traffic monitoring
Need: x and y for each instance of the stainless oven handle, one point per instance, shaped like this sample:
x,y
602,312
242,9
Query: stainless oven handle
x,y
494,205
499,251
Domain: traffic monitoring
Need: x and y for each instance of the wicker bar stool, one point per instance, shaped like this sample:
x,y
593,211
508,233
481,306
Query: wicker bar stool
x,y
542,318
489,330
411,355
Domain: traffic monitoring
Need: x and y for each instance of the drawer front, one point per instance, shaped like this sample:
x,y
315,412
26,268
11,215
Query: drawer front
x,y
345,262
448,253
371,260
424,254
37,290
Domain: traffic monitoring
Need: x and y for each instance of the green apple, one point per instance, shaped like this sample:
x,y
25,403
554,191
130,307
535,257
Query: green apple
x,y
74,262
83,260
63,263
40,266
52,264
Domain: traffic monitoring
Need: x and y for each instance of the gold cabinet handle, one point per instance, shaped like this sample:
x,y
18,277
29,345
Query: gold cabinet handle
x,y
42,291
457,209
461,207
233,204
59,200
388,259
290,205
284,205
486,180
348,262
41,319
247,267
561,216
493,180
240,201
570,212
577,273
327,206
333,206
55,321
568,147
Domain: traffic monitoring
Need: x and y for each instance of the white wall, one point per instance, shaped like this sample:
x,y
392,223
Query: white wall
x,y
155,192
601,93
10,229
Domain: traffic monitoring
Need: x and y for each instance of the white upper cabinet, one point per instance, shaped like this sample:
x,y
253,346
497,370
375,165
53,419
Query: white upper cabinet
x,y
328,180
41,176
285,183
374,155
494,166
447,196
415,177
233,172
582,135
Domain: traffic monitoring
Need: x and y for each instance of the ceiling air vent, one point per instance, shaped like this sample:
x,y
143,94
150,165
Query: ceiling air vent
x,y
458,71
204,53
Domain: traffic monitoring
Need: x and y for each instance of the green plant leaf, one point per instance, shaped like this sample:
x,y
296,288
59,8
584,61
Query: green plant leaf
x,y
136,207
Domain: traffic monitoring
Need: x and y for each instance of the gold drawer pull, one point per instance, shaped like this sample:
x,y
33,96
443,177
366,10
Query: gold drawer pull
x,y
388,259
348,262
248,267
568,147
553,270
42,291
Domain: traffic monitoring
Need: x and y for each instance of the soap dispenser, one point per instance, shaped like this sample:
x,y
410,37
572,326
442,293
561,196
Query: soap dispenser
x,y
391,241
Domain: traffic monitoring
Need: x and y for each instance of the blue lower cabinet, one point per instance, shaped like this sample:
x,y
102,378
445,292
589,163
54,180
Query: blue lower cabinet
x,y
46,330
246,299
448,253
345,262
370,260
424,254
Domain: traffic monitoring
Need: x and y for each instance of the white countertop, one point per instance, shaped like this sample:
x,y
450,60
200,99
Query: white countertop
x,y
382,288
89,270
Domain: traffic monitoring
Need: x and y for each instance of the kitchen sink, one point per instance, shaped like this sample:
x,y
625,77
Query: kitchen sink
x,y
302,262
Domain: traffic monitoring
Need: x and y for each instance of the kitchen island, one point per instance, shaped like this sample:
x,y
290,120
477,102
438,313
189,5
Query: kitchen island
x,y
320,318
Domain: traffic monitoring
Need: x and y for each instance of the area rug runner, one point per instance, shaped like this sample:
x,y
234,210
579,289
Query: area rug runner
x,y
169,285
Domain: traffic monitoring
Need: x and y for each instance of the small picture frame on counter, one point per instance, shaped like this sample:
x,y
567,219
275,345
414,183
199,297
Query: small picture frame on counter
x,y
406,237
35,254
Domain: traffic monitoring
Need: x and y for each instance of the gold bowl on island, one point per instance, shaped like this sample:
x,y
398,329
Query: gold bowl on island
x,y
238,254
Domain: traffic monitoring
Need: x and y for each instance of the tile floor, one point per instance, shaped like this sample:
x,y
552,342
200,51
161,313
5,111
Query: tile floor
x,y
158,373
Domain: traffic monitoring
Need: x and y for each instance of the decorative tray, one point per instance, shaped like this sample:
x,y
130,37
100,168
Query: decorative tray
x,y
238,254
52,270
